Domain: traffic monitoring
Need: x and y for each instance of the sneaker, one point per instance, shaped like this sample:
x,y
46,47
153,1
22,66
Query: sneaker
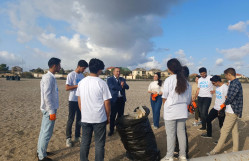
x,y
155,127
69,142
195,123
202,129
45,159
211,153
167,159
77,139
182,158
206,136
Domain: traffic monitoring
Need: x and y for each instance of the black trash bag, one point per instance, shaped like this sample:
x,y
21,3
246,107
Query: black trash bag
x,y
138,138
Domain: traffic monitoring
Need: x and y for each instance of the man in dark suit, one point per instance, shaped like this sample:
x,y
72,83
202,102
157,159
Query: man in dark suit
x,y
117,86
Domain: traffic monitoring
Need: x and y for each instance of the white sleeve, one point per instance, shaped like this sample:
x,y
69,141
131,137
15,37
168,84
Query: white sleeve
x,y
149,88
69,80
165,89
198,83
106,92
48,94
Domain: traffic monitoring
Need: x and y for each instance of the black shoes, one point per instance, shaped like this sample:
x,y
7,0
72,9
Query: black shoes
x,y
110,133
202,129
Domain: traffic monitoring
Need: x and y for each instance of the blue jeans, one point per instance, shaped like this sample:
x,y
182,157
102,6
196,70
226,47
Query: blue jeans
x,y
174,127
99,130
156,107
46,132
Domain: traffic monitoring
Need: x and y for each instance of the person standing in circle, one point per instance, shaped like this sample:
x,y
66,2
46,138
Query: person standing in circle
x,y
176,97
155,88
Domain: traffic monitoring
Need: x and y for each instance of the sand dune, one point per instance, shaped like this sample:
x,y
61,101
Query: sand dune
x,y
21,118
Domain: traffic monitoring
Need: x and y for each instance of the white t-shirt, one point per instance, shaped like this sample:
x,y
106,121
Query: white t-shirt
x,y
205,86
73,79
93,91
175,106
155,87
221,93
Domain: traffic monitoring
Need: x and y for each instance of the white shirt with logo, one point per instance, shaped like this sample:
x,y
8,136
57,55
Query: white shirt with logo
x,y
73,79
220,93
93,91
205,86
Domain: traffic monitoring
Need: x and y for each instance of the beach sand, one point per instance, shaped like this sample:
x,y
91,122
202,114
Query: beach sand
x,y
21,119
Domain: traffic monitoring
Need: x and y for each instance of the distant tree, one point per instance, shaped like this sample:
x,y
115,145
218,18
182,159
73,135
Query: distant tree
x,y
3,68
39,70
62,71
107,72
125,71
27,75
68,71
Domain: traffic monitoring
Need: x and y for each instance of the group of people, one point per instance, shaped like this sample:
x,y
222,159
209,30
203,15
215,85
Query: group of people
x,y
97,103
92,101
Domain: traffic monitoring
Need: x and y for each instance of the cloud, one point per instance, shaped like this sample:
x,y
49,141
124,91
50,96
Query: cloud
x,y
116,31
235,53
180,54
241,26
219,62
10,59
152,63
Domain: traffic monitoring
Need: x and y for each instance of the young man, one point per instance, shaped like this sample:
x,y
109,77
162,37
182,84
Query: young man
x,y
94,102
49,106
73,79
204,93
117,86
234,107
216,111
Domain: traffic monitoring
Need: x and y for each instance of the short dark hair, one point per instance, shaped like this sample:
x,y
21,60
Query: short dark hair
x,y
185,71
215,78
53,61
231,71
95,65
202,69
82,63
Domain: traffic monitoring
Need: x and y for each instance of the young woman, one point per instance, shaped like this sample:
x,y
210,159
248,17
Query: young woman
x,y
197,112
176,97
155,88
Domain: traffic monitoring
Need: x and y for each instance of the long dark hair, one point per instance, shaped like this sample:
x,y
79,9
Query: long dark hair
x,y
159,78
175,66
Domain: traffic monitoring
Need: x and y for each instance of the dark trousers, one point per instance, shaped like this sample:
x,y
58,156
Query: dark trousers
x,y
156,107
99,130
203,104
211,116
73,110
116,108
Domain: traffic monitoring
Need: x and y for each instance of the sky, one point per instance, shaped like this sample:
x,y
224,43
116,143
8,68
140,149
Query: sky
x,y
200,33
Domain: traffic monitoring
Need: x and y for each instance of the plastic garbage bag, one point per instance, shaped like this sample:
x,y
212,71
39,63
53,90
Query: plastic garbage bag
x,y
138,137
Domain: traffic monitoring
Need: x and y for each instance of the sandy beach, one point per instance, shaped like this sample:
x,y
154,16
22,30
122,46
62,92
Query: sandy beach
x,y
21,118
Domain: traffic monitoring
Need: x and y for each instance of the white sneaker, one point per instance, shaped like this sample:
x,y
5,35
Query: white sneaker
x,y
195,123
182,158
167,159
77,139
211,153
69,142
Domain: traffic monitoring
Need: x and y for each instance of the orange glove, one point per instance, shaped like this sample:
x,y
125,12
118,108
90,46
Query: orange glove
x,y
52,117
190,109
194,104
222,106
153,96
